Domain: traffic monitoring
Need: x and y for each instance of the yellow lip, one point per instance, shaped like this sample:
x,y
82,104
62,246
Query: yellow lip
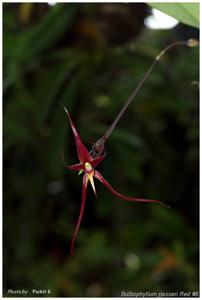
x,y
90,176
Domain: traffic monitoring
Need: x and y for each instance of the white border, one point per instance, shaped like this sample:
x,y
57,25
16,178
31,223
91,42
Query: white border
x,y
82,1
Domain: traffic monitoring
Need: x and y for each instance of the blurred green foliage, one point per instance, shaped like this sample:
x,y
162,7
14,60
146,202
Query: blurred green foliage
x,y
90,57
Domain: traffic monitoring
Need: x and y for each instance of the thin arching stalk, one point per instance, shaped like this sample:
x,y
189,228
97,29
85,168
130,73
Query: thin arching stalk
x,y
98,147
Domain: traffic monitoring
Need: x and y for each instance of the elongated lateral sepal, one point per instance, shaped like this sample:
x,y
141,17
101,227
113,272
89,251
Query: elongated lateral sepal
x,y
99,176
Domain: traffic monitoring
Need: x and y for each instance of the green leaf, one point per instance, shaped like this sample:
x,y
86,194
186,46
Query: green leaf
x,y
187,13
31,42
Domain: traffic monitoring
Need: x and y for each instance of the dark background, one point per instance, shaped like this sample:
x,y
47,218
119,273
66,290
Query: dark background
x,y
90,57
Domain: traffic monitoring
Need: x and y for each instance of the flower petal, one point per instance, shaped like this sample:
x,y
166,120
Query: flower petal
x,y
90,177
99,176
82,152
77,167
98,160
83,201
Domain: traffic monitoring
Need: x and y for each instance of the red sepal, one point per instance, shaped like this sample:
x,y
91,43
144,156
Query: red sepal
x,y
83,153
83,201
99,176
77,167
98,160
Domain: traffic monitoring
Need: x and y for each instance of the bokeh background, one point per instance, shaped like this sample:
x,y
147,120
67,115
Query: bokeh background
x,y
90,57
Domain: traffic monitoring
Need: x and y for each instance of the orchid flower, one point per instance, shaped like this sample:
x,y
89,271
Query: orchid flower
x,y
89,160
86,166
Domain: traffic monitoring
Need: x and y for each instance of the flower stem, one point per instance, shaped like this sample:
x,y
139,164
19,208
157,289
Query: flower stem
x,y
98,147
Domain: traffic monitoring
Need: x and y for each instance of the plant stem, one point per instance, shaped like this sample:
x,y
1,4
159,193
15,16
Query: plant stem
x,y
98,147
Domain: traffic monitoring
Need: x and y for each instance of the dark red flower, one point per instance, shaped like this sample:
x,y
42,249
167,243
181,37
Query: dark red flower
x,y
87,166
